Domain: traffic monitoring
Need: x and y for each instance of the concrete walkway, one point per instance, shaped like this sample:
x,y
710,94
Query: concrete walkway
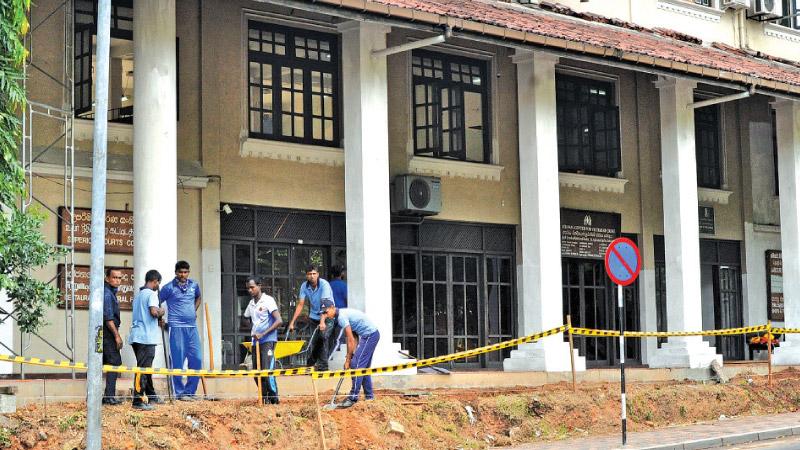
x,y
710,435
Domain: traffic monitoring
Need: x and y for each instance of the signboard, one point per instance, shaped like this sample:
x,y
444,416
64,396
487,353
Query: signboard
x,y
119,230
774,285
623,261
586,234
125,292
705,219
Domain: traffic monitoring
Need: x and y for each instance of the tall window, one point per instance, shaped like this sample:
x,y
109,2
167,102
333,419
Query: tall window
x,y
707,145
451,107
588,126
293,82
791,7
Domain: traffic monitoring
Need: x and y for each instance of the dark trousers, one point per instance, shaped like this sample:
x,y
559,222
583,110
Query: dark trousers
x,y
269,387
143,384
320,345
111,356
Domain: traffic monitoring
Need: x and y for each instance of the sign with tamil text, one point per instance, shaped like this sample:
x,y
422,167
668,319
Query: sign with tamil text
x,y
587,234
125,292
119,230
775,285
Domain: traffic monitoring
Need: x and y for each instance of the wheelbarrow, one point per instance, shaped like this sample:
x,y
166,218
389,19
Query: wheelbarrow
x,y
283,349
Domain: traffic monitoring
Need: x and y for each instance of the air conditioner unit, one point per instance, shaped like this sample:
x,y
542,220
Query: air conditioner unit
x,y
417,195
766,9
735,4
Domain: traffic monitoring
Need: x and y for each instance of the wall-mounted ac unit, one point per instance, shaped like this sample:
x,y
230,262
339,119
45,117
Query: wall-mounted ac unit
x,y
417,195
766,9
735,4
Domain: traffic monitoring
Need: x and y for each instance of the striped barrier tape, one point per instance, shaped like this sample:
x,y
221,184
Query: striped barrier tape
x,y
784,330
593,332
722,332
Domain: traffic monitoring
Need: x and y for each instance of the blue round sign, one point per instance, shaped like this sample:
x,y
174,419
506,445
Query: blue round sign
x,y
623,261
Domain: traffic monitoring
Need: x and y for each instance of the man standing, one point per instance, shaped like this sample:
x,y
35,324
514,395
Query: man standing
x,y
355,322
339,286
182,296
112,341
263,313
315,289
144,337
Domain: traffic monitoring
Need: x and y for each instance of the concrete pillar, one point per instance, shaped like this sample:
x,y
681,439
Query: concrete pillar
x,y
366,174
681,233
155,209
787,114
540,304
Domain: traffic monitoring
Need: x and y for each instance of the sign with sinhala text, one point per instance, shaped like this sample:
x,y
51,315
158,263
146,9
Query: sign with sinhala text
x,y
705,219
125,292
775,285
119,230
586,234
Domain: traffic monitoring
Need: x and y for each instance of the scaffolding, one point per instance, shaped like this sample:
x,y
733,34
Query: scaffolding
x,y
63,116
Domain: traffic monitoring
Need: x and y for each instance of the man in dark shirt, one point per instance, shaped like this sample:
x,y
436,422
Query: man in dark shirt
x,y
112,341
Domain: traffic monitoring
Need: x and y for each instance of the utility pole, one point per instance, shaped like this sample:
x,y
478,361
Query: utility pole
x,y
94,377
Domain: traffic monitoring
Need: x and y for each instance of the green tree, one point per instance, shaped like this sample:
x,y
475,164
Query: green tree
x,y
22,246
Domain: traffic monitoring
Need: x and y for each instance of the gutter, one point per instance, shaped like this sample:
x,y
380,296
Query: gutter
x,y
365,10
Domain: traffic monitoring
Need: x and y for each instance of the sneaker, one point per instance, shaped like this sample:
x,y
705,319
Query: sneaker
x,y
111,401
188,398
155,400
346,404
144,406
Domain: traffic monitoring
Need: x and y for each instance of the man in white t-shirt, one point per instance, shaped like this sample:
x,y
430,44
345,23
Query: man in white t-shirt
x,y
263,313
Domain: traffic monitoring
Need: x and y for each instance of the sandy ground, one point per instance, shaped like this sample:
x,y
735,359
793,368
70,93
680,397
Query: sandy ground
x,y
436,419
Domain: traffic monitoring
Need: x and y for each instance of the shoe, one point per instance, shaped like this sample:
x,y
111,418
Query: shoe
x,y
346,404
111,401
155,400
320,368
143,406
188,398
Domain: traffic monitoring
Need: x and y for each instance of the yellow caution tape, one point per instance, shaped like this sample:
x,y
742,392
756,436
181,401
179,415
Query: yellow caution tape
x,y
593,332
439,359
722,332
785,330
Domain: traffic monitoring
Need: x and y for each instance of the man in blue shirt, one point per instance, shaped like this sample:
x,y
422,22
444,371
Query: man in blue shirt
x,y
315,289
263,313
355,322
182,296
144,337
339,286
112,341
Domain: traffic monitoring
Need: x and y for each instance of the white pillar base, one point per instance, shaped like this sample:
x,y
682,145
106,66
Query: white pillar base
x,y
385,355
788,354
694,354
550,355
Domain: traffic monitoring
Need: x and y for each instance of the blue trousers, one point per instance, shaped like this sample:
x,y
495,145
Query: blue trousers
x,y
362,358
184,345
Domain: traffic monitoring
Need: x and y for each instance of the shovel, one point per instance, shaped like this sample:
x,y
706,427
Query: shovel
x,y
332,404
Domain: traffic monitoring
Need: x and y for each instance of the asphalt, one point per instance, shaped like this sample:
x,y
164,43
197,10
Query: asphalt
x,y
730,431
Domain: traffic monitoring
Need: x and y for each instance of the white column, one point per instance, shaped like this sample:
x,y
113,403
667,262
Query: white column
x,y
366,174
540,305
681,233
787,113
155,141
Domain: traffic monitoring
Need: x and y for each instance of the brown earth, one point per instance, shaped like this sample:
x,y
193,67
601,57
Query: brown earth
x,y
437,419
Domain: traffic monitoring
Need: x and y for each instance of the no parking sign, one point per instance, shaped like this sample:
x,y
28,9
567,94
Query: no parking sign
x,y
623,261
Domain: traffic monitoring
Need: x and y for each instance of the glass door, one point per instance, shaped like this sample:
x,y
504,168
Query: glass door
x,y
586,297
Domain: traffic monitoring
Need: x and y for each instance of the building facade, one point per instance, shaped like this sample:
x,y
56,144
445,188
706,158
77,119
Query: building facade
x,y
267,135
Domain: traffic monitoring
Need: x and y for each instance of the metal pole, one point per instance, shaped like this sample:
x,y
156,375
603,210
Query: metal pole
x,y
621,308
94,377
571,352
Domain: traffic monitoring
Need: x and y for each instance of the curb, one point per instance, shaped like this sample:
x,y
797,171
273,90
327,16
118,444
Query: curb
x,y
742,438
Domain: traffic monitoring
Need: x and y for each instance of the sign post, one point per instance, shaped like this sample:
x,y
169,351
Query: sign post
x,y
623,263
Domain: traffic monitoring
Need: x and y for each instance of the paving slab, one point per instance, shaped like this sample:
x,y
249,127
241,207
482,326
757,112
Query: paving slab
x,y
697,436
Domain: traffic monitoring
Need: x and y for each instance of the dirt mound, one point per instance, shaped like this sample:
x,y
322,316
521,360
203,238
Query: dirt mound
x,y
438,419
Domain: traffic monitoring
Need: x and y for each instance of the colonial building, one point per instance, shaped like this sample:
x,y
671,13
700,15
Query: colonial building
x,y
467,161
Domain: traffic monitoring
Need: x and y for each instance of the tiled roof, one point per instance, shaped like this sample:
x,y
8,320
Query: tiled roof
x,y
558,27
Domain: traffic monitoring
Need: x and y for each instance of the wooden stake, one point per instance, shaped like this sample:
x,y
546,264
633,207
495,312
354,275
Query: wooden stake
x,y
571,352
319,414
257,345
210,342
769,353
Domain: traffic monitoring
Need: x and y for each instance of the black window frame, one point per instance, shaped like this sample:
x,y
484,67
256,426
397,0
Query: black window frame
x,y
775,176
306,67
788,10
121,22
708,146
434,86
579,98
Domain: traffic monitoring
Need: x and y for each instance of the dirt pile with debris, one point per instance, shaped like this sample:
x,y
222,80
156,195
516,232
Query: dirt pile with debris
x,y
438,419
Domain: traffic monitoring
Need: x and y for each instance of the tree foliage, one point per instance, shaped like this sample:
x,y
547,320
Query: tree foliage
x,y
22,246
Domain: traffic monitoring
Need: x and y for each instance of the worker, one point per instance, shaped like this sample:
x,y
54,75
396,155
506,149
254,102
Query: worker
x,y
266,319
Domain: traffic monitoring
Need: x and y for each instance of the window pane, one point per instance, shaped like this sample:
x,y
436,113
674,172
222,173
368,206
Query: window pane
x,y
473,116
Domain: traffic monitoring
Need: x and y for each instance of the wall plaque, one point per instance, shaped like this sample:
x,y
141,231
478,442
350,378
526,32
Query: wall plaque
x,y
705,219
774,285
119,230
586,234
125,292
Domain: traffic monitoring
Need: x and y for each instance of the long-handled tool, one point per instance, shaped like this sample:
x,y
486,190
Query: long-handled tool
x,y
168,362
332,404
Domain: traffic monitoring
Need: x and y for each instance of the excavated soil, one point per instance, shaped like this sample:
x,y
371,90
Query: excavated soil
x,y
436,419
